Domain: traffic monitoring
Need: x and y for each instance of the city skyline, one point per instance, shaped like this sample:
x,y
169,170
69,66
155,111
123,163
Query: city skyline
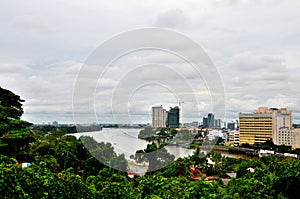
x,y
253,45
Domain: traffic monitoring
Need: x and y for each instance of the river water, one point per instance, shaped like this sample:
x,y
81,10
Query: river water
x,y
126,141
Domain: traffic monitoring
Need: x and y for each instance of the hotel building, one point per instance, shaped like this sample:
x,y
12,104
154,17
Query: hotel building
x,y
265,124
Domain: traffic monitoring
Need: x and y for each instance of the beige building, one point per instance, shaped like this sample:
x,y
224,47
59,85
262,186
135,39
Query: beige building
x,y
282,125
265,124
159,116
255,127
296,143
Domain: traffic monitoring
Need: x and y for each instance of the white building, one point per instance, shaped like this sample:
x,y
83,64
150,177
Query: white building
x,y
285,136
213,134
282,125
159,116
236,138
230,138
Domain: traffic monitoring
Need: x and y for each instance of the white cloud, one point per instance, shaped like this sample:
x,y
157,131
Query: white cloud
x,y
34,23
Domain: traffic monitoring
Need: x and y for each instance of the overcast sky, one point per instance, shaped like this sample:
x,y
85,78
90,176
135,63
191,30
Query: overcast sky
x,y
254,45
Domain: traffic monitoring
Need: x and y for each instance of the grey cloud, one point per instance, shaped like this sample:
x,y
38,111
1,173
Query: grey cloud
x,y
257,72
174,18
259,80
14,68
247,61
35,24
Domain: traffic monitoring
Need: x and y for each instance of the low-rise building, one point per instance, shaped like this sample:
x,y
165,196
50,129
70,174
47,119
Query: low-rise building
x,y
236,138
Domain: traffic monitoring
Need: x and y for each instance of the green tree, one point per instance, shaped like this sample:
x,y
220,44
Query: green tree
x,y
104,152
10,106
15,137
287,179
147,133
157,157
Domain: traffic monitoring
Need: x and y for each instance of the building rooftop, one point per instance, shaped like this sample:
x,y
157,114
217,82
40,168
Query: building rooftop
x,y
255,114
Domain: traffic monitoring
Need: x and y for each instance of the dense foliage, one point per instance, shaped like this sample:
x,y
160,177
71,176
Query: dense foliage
x,y
62,167
156,156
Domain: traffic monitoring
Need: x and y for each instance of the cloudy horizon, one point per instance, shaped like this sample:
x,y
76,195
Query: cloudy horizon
x,y
254,46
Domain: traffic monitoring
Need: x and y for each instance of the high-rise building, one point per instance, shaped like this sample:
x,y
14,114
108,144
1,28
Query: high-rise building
x,y
211,120
217,123
173,117
264,124
255,127
205,122
159,116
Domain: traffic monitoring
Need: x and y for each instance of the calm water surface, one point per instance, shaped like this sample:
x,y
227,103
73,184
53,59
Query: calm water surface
x,y
126,141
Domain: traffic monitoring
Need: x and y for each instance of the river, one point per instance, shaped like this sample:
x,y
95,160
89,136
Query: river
x,y
126,141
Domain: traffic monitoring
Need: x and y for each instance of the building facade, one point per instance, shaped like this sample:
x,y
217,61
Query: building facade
x,y
205,122
236,138
159,117
211,120
296,138
173,117
265,124
282,125
255,127
285,136
217,123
